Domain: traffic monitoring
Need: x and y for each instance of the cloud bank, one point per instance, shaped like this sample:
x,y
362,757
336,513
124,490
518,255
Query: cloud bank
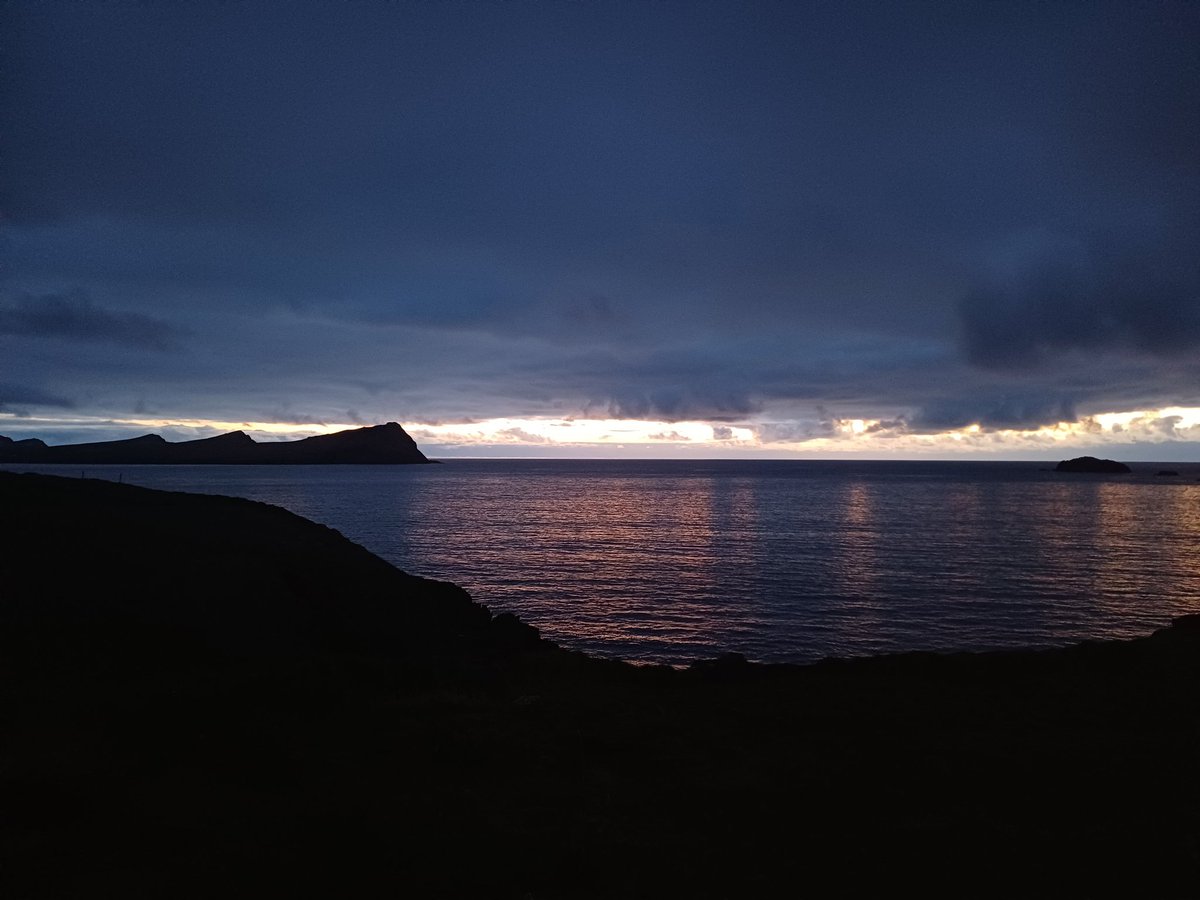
x,y
757,216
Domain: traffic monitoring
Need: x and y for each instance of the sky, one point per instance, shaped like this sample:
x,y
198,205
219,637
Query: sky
x,y
606,228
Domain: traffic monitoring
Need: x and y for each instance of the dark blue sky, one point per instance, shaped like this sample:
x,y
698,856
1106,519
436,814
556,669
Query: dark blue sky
x,y
770,215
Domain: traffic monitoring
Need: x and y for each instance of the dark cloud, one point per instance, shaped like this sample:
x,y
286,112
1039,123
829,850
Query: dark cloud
x,y
675,404
994,412
794,431
1081,300
73,317
592,313
16,398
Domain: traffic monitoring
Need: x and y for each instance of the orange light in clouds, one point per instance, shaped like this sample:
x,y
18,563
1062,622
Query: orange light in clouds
x,y
602,432
858,436
1188,417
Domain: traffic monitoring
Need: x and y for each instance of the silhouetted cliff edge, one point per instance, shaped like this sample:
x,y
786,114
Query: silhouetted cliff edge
x,y
202,696
377,444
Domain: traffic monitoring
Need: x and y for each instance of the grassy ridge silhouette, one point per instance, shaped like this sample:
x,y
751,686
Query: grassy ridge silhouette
x,y
209,695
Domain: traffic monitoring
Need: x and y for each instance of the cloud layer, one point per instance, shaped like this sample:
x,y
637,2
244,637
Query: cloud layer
x,y
778,216
72,317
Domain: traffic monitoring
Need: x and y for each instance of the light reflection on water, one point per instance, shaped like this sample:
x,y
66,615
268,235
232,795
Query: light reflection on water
x,y
787,561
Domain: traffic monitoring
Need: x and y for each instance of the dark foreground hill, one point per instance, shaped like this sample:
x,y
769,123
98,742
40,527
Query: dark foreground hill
x,y
376,445
211,697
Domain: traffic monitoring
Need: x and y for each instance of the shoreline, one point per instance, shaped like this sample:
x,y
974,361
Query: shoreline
x,y
208,694
758,591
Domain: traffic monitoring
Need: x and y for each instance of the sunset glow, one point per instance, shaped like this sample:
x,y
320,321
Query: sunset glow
x,y
1133,433
596,251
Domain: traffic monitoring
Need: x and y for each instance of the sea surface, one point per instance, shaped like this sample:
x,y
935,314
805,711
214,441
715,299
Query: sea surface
x,y
789,561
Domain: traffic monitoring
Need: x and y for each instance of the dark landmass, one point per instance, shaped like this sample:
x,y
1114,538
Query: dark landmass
x,y
1091,464
377,444
205,696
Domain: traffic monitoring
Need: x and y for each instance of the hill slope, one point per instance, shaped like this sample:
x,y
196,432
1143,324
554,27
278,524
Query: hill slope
x,y
207,696
376,445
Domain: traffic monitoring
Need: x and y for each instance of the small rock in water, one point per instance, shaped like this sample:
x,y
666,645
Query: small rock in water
x,y
1091,464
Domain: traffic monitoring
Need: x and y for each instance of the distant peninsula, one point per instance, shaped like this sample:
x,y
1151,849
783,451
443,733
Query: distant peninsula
x,y
386,444
1091,464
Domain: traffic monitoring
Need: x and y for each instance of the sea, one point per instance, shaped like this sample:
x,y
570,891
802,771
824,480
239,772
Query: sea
x,y
780,561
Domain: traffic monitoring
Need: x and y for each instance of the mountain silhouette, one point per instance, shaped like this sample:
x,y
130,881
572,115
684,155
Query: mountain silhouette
x,y
376,445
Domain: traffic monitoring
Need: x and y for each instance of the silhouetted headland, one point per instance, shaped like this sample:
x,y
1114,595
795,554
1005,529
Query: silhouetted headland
x,y
375,445
205,696
1094,465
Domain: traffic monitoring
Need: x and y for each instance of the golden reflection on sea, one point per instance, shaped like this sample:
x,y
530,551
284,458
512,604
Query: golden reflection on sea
x,y
671,538
787,561
1095,539
857,563
781,560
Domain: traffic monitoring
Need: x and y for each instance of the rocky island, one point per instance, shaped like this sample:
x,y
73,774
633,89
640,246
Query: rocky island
x,y
205,696
1093,465
375,445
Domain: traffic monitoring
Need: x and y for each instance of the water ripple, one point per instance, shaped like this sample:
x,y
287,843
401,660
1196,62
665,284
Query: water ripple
x,y
793,561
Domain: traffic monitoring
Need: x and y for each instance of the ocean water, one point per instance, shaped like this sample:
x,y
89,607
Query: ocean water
x,y
670,561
